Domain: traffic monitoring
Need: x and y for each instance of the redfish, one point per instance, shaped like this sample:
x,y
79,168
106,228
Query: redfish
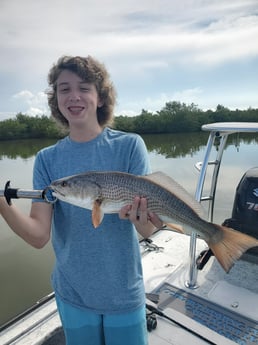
x,y
108,191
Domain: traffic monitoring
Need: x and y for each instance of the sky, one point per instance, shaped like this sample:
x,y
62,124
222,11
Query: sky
x,y
192,51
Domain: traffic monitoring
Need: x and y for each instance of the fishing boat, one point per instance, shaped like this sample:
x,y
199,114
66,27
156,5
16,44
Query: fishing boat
x,y
190,299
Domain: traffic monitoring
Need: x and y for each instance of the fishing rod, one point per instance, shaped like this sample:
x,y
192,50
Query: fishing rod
x,y
154,310
17,193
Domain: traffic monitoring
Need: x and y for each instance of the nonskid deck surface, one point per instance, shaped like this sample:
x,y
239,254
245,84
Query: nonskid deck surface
x,y
221,320
225,306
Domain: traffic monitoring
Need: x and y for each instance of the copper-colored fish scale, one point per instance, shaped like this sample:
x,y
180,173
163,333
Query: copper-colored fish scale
x,y
124,187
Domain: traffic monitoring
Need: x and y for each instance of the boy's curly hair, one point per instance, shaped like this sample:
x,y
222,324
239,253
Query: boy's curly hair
x,y
90,70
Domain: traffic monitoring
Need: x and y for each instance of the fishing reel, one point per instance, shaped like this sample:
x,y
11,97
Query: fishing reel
x,y
151,321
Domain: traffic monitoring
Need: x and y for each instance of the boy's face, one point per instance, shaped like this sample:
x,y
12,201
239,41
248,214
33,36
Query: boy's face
x,y
77,100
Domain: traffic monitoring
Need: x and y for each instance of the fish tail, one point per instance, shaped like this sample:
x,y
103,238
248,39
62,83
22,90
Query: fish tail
x,y
231,246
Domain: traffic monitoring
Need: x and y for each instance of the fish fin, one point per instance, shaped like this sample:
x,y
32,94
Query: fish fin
x,y
97,214
175,227
175,188
231,246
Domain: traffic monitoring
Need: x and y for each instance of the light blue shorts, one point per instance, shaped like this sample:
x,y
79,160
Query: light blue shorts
x,y
82,327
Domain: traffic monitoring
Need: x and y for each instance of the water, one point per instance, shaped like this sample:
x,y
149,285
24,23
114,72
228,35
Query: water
x,y
25,271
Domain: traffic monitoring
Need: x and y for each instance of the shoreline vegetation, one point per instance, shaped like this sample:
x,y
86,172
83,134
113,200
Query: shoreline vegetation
x,y
174,117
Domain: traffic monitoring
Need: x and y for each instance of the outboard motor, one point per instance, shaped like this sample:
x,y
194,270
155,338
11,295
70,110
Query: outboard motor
x,y
245,209
244,214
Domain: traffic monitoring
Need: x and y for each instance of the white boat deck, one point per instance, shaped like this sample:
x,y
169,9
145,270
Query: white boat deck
x,y
235,292
171,265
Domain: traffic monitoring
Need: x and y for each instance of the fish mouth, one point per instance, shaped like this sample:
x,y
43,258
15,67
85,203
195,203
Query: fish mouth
x,y
56,192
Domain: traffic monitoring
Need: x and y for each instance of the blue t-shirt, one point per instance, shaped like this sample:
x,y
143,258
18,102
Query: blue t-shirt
x,y
97,269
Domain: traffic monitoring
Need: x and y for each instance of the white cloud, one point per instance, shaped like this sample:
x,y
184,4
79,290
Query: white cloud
x,y
139,41
24,95
32,104
125,28
226,40
155,104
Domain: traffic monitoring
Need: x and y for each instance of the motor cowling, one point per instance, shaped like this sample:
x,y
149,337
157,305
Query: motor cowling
x,y
245,208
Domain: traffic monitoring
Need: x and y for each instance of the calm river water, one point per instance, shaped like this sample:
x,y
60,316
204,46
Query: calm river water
x,y
25,272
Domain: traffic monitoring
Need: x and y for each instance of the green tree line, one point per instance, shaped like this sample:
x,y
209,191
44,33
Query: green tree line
x,y
174,117
25,127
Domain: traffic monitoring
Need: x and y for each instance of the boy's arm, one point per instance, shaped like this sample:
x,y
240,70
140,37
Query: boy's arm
x,y
34,228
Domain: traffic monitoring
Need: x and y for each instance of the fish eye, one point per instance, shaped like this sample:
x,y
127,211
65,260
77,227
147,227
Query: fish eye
x,y
64,184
